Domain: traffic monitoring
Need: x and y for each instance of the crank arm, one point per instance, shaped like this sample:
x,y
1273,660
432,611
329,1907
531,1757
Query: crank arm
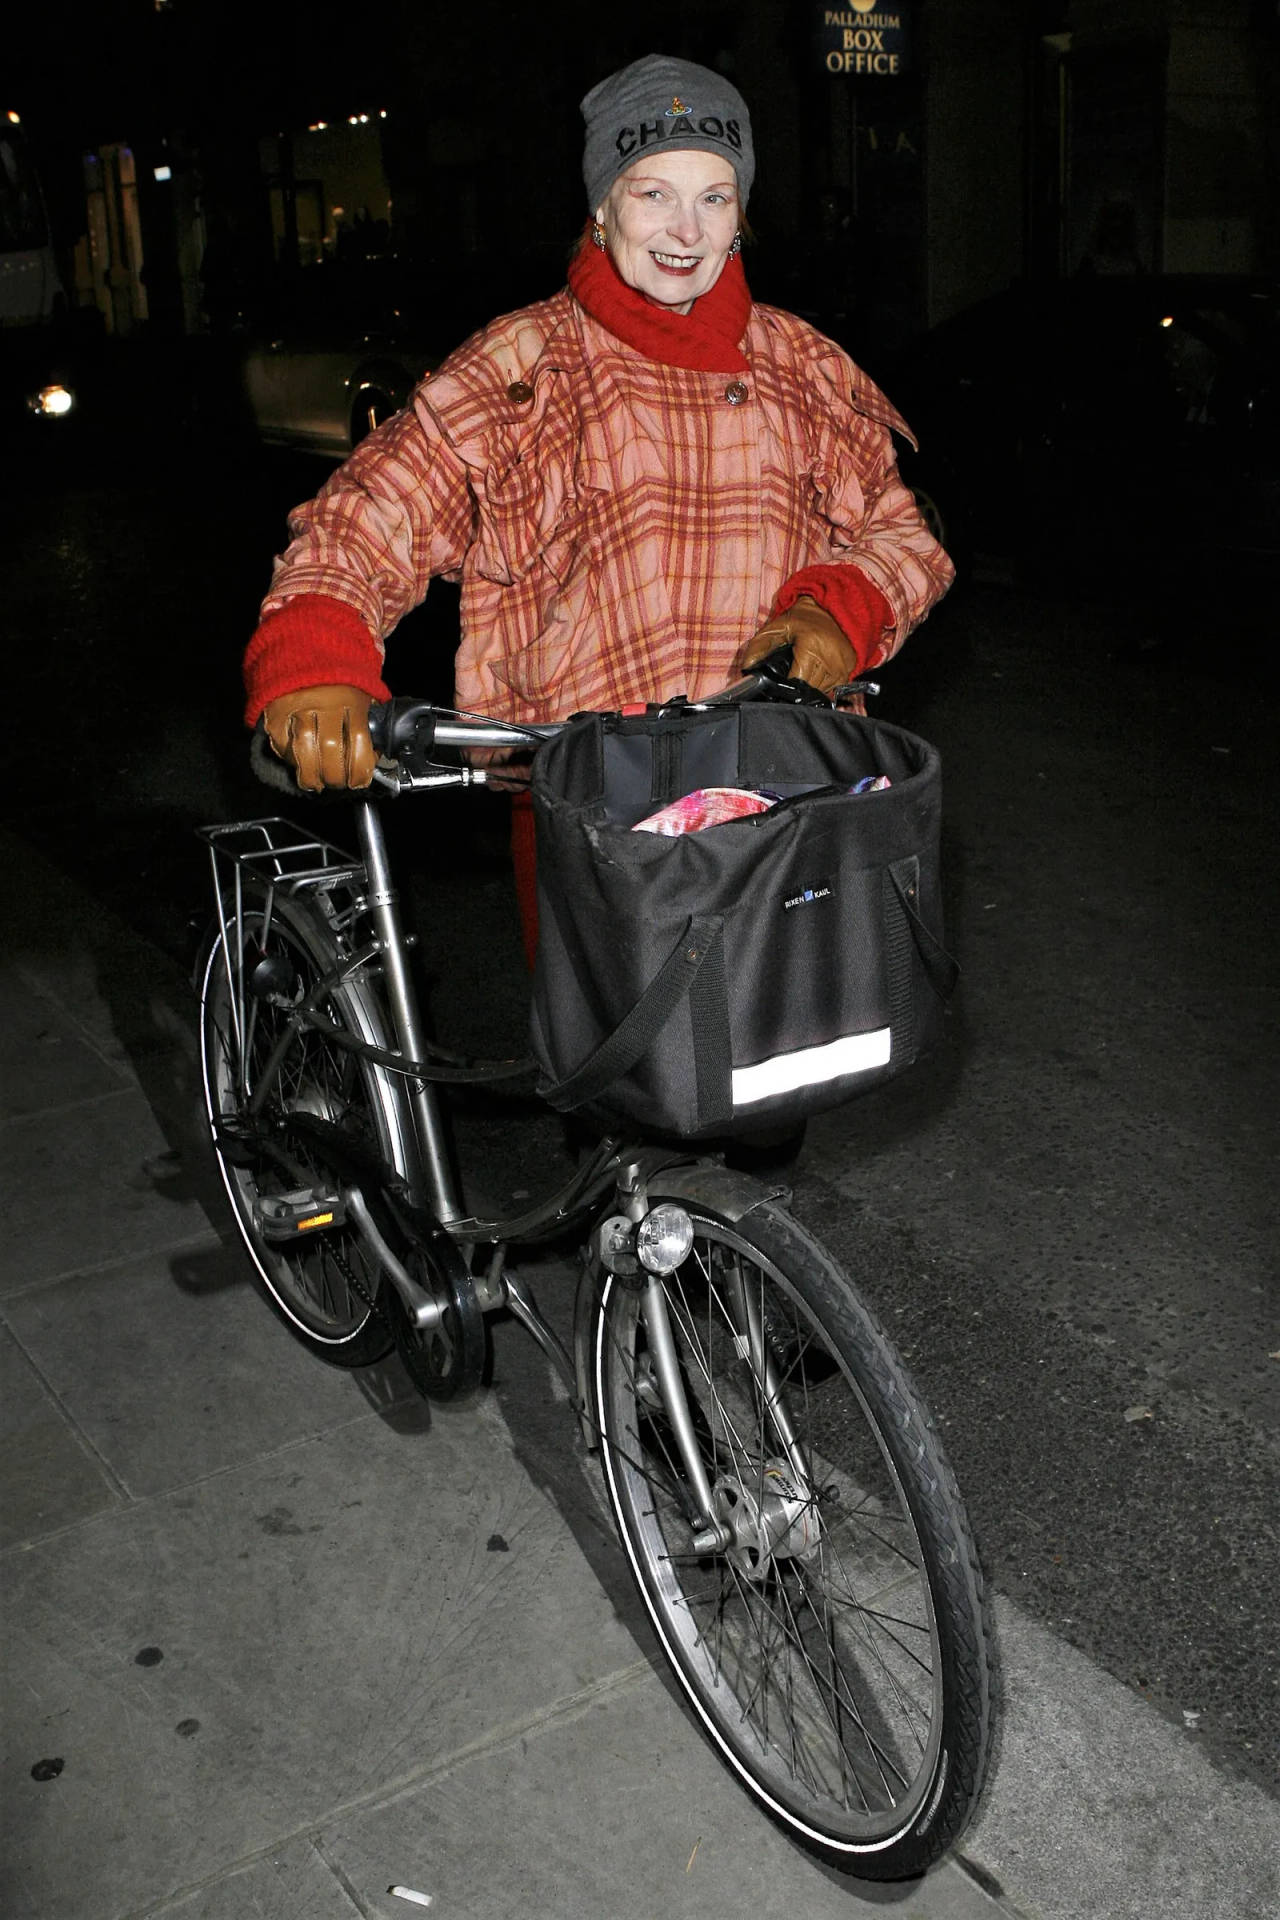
x,y
424,1312
386,1216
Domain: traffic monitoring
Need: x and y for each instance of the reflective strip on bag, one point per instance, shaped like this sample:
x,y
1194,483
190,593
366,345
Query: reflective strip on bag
x,y
810,1066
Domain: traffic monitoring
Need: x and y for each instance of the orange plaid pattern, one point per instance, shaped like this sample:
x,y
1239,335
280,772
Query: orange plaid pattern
x,y
620,527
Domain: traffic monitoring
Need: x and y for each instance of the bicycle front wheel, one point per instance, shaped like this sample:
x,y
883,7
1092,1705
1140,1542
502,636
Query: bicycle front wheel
x,y
827,1618
323,1282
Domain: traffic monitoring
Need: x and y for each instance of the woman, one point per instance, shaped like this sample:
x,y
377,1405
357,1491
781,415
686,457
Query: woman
x,y
643,484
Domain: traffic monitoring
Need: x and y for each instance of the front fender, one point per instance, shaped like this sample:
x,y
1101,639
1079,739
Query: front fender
x,y
699,1184
722,1190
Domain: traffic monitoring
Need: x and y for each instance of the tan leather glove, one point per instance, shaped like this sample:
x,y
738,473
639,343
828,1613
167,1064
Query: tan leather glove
x,y
823,656
323,734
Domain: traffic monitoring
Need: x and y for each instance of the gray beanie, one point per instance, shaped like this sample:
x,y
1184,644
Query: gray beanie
x,y
659,102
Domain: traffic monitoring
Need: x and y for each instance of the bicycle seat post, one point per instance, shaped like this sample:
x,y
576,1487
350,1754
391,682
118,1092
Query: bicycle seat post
x,y
441,1193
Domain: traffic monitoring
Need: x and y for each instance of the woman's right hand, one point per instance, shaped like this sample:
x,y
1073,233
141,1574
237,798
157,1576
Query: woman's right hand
x,y
323,734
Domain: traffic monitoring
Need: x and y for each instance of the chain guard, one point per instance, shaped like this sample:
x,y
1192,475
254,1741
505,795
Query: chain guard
x,y
449,1359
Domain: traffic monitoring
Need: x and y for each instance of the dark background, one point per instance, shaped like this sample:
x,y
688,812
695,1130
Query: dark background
x,y
1012,128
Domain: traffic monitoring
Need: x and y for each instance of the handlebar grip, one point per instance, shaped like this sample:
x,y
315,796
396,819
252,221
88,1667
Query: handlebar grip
x,y
264,764
769,678
775,666
399,723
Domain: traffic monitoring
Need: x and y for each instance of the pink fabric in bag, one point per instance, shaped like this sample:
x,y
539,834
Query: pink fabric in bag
x,y
707,807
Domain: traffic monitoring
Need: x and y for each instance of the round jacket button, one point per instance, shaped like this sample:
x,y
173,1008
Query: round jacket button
x,y
520,392
736,392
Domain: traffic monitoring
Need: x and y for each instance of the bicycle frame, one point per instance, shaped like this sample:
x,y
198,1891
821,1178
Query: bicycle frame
x,y
363,889
435,1185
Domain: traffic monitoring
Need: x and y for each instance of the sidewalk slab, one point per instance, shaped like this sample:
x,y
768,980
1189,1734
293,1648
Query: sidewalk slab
x,y
291,1882
620,1811
49,1477
86,1183
221,1667
46,1057
203,1377
99,1087
123,995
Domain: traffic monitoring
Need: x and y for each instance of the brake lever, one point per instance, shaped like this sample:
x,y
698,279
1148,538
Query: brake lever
x,y
767,679
770,679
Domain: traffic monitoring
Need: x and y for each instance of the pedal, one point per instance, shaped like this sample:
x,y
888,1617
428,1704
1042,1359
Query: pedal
x,y
284,1216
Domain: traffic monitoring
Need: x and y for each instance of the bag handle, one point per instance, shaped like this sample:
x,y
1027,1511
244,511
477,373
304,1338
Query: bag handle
x,y
941,970
639,1028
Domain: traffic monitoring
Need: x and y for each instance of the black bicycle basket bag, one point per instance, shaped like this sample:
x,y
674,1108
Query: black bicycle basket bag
x,y
754,972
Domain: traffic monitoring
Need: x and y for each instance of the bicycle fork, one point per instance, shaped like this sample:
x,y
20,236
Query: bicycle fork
x,y
750,1498
755,1516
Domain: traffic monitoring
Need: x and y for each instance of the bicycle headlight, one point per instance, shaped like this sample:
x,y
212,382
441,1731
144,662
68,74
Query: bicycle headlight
x,y
663,1238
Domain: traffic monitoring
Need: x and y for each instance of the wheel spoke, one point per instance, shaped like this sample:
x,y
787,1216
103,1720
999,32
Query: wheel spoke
x,y
834,1690
808,1642
324,1281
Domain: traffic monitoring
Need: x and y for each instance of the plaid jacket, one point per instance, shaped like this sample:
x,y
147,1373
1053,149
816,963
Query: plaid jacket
x,y
620,527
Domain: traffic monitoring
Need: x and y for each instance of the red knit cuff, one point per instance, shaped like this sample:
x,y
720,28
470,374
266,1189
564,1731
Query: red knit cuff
x,y
311,641
855,603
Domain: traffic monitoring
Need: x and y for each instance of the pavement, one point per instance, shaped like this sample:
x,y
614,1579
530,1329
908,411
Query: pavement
x,y
281,1640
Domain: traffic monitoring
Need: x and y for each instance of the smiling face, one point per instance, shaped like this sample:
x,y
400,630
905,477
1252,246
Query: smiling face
x,y
669,223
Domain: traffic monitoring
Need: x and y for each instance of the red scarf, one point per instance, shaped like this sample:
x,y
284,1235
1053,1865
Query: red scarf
x,y
705,340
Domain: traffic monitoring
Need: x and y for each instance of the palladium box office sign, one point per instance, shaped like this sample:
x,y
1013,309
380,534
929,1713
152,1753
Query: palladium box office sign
x,y
864,37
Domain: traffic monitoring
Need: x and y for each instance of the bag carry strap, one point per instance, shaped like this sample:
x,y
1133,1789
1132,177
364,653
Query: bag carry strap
x,y
940,969
638,1029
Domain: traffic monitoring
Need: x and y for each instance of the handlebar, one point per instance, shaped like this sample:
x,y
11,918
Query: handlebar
x,y
403,725
407,731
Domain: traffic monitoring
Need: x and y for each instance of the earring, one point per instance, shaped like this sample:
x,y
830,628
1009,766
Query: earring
x,y
597,234
736,247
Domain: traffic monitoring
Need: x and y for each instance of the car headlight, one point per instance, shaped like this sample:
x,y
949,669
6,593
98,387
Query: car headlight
x,y
53,402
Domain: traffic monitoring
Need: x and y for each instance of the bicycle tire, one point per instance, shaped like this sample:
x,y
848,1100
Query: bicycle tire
x,y
323,1284
837,1653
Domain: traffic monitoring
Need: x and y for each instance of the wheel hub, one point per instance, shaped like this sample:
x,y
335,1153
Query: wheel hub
x,y
770,1521
319,1103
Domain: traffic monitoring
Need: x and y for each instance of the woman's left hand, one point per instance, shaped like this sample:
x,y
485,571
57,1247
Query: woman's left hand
x,y
822,655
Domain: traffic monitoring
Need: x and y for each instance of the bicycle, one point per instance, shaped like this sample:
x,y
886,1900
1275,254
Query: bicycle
x,y
780,1491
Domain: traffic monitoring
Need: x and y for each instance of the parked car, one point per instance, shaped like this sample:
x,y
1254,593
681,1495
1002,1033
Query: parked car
x,y
333,356
1098,429
341,346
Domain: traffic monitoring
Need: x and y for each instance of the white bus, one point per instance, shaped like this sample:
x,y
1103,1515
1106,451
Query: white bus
x,y
31,290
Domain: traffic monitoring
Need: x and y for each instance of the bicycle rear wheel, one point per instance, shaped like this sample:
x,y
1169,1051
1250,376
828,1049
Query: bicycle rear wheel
x,y
835,1646
323,1282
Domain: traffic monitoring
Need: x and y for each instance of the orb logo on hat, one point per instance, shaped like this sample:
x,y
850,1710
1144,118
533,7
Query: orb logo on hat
x,y
676,108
